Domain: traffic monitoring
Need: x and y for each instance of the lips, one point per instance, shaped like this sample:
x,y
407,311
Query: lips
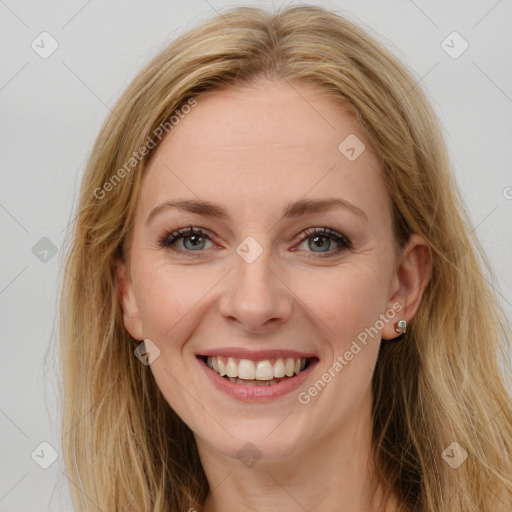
x,y
256,375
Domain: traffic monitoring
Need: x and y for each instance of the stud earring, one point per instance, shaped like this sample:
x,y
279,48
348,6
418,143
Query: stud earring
x,y
401,326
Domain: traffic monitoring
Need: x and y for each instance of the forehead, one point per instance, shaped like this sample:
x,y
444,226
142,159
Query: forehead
x,y
256,148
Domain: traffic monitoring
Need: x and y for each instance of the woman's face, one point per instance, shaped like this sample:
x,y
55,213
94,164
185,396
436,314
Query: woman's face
x,y
255,171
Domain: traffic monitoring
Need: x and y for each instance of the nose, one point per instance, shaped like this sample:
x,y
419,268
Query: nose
x,y
256,297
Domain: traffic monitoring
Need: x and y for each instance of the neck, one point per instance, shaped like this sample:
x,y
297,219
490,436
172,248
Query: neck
x,y
334,473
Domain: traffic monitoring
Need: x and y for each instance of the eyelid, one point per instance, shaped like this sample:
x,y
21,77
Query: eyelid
x,y
172,235
327,232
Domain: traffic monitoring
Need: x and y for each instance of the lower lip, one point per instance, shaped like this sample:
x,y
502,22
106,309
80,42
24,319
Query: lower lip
x,y
255,393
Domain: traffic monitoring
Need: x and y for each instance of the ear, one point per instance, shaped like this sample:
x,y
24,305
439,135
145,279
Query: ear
x,y
409,282
129,306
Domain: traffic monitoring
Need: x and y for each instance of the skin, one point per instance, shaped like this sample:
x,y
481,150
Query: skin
x,y
253,150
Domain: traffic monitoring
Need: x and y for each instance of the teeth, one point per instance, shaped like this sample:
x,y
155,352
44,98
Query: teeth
x,y
246,370
256,370
222,366
264,370
289,367
279,369
231,368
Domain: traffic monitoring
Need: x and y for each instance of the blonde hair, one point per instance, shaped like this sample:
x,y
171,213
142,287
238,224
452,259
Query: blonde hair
x,y
124,447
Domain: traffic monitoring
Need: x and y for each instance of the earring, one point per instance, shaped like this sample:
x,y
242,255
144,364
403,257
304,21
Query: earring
x,y
401,326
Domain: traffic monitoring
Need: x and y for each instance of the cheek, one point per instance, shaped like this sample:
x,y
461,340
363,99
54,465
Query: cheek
x,y
168,297
346,303
343,301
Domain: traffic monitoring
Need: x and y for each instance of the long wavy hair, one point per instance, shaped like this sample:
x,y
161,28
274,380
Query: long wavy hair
x,y
124,447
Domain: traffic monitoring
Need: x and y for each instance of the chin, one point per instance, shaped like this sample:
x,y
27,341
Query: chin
x,y
269,439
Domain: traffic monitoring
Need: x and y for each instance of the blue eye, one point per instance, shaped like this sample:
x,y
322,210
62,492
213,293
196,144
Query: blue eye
x,y
316,238
193,241
197,237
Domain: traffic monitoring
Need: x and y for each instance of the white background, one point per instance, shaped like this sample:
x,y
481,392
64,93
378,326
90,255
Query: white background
x,y
52,109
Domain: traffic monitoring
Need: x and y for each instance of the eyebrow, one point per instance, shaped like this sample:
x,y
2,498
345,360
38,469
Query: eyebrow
x,y
295,209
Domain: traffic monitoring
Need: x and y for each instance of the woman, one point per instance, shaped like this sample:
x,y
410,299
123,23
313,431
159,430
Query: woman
x,y
272,299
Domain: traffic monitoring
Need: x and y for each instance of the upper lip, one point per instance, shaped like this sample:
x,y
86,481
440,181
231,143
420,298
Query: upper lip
x,y
254,355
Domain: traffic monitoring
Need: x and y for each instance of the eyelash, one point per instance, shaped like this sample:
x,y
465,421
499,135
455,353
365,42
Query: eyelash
x,y
170,239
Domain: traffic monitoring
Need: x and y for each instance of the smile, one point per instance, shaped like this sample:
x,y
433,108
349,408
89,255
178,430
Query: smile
x,y
266,372
257,376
